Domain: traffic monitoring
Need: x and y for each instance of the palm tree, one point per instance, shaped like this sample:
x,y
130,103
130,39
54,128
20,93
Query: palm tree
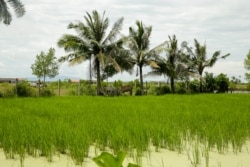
x,y
247,66
138,43
91,41
199,59
171,66
5,14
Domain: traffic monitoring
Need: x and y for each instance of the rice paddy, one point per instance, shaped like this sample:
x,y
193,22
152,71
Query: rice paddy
x,y
71,125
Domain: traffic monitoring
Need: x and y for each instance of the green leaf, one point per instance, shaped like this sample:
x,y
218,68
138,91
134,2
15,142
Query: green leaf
x,y
108,160
133,165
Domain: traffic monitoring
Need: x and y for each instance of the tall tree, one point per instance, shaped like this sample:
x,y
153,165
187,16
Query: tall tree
x,y
5,14
247,66
91,41
171,65
199,60
138,43
46,65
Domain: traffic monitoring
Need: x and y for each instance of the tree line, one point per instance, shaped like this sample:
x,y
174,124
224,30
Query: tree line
x,y
110,52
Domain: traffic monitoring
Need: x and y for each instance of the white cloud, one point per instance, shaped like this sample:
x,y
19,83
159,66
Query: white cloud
x,y
230,68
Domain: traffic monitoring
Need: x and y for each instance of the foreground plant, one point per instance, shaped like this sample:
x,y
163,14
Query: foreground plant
x,y
108,160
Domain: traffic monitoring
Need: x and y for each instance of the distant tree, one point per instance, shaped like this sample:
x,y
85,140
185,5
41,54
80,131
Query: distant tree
x,y
171,64
199,60
46,65
107,72
247,66
138,43
5,14
194,86
91,41
209,82
222,82
235,80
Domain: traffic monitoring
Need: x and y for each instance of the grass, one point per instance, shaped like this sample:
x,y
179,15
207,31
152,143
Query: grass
x,y
69,125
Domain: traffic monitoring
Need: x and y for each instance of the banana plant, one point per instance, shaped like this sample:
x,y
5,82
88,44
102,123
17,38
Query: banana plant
x,y
108,160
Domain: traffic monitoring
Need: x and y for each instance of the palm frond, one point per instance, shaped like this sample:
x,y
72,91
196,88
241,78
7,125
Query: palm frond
x,y
71,43
226,55
78,59
153,64
18,6
197,47
115,64
153,73
133,45
160,48
4,13
114,31
102,59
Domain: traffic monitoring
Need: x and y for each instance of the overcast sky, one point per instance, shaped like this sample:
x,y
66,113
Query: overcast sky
x,y
221,24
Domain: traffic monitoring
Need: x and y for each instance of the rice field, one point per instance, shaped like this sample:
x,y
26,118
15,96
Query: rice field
x,y
71,125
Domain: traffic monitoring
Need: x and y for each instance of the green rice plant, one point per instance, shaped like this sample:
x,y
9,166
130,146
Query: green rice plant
x,y
194,154
205,153
70,125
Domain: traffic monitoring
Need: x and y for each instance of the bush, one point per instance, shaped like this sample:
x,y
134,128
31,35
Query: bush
x,y
194,86
138,92
7,90
162,90
222,82
87,89
181,88
24,90
47,93
248,86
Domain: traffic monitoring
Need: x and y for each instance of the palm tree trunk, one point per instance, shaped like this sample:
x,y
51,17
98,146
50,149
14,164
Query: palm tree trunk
x,y
200,83
141,80
99,86
44,81
90,70
172,84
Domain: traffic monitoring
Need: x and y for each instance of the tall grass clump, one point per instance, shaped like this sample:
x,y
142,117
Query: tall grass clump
x,y
70,125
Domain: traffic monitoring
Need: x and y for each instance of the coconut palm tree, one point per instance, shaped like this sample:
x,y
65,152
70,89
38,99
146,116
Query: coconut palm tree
x,y
5,14
170,66
199,60
138,43
91,41
247,66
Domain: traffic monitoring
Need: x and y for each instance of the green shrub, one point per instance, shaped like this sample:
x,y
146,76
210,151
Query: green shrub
x,y
162,90
47,93
222,82
7,90
88,90
248,86
24,90
194,86
138,92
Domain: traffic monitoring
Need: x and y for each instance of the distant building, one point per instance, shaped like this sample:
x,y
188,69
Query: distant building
x,y
10,80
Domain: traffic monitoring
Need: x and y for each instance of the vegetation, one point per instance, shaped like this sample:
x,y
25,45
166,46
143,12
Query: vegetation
x,y
5,15
199,60
106,159
247,66
91,41
45,65
113,53
211,121
172,65
211,84
138,43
